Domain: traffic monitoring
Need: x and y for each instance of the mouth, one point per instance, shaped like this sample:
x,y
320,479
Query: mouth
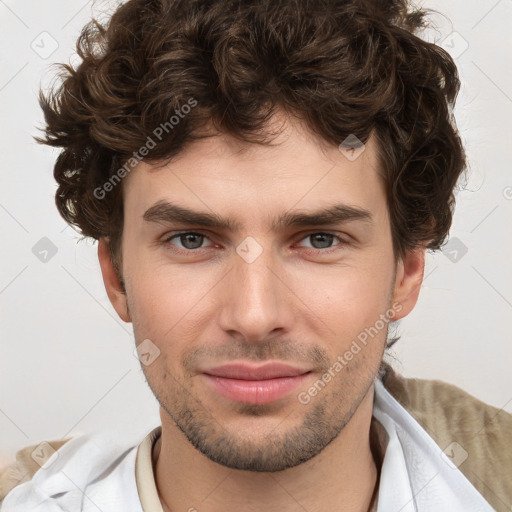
x,y
255,385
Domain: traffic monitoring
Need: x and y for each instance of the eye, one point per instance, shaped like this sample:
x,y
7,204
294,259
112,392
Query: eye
x,y
189,240
322,240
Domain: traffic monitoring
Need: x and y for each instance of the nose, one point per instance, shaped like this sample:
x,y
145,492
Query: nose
x,y
255,301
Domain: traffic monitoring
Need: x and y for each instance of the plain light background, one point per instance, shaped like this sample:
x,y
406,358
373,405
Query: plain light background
x,y
66,363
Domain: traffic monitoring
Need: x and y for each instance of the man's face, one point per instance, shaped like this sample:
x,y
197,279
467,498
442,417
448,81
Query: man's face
x,y
300,294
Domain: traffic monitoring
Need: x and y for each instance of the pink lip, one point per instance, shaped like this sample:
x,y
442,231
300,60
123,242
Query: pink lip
x,y
245,371
255,385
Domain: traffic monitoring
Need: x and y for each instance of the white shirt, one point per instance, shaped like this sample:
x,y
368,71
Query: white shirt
x,y
92,473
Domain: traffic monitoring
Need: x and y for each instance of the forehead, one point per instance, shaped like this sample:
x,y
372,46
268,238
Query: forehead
x,y
221,174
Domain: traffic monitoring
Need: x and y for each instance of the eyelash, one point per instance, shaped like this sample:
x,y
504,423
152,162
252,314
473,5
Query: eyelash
x,y
167,242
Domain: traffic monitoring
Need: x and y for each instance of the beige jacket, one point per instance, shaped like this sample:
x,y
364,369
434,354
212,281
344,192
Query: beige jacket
x,y
446,413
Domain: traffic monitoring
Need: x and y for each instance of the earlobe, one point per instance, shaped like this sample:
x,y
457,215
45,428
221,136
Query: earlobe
x,y
408,280
115,290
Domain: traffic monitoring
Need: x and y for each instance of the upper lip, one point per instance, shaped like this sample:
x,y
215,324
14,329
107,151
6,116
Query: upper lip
x,y
245,371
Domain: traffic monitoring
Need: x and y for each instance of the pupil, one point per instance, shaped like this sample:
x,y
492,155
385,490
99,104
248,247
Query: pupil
x,y
327,239
190,237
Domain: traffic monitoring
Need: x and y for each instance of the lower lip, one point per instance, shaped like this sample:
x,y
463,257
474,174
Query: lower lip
x,y
255,391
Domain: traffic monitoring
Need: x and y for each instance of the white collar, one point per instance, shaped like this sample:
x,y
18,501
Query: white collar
x,y
416,476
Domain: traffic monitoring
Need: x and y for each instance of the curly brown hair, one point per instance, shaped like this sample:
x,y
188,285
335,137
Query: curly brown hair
x,y
345,67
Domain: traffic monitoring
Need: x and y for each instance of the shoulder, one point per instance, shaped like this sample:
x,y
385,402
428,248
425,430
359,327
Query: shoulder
x,y
482,433
28,461
47,473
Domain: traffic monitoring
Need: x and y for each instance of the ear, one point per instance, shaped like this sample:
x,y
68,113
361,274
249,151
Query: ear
x,y
114,289
408,280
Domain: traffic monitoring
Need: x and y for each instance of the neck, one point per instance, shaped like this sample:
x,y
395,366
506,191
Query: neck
x,y
343,475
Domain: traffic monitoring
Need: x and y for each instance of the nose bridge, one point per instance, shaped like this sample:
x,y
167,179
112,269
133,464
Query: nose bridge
x,y
253,303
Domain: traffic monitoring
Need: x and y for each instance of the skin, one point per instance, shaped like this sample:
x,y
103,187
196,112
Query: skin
x,y
294,303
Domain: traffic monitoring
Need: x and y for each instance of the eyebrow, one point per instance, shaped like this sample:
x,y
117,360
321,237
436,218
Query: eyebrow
x,y
166,212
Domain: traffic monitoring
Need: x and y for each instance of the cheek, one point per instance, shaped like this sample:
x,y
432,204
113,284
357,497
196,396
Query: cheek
x,y
346,297
165,305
